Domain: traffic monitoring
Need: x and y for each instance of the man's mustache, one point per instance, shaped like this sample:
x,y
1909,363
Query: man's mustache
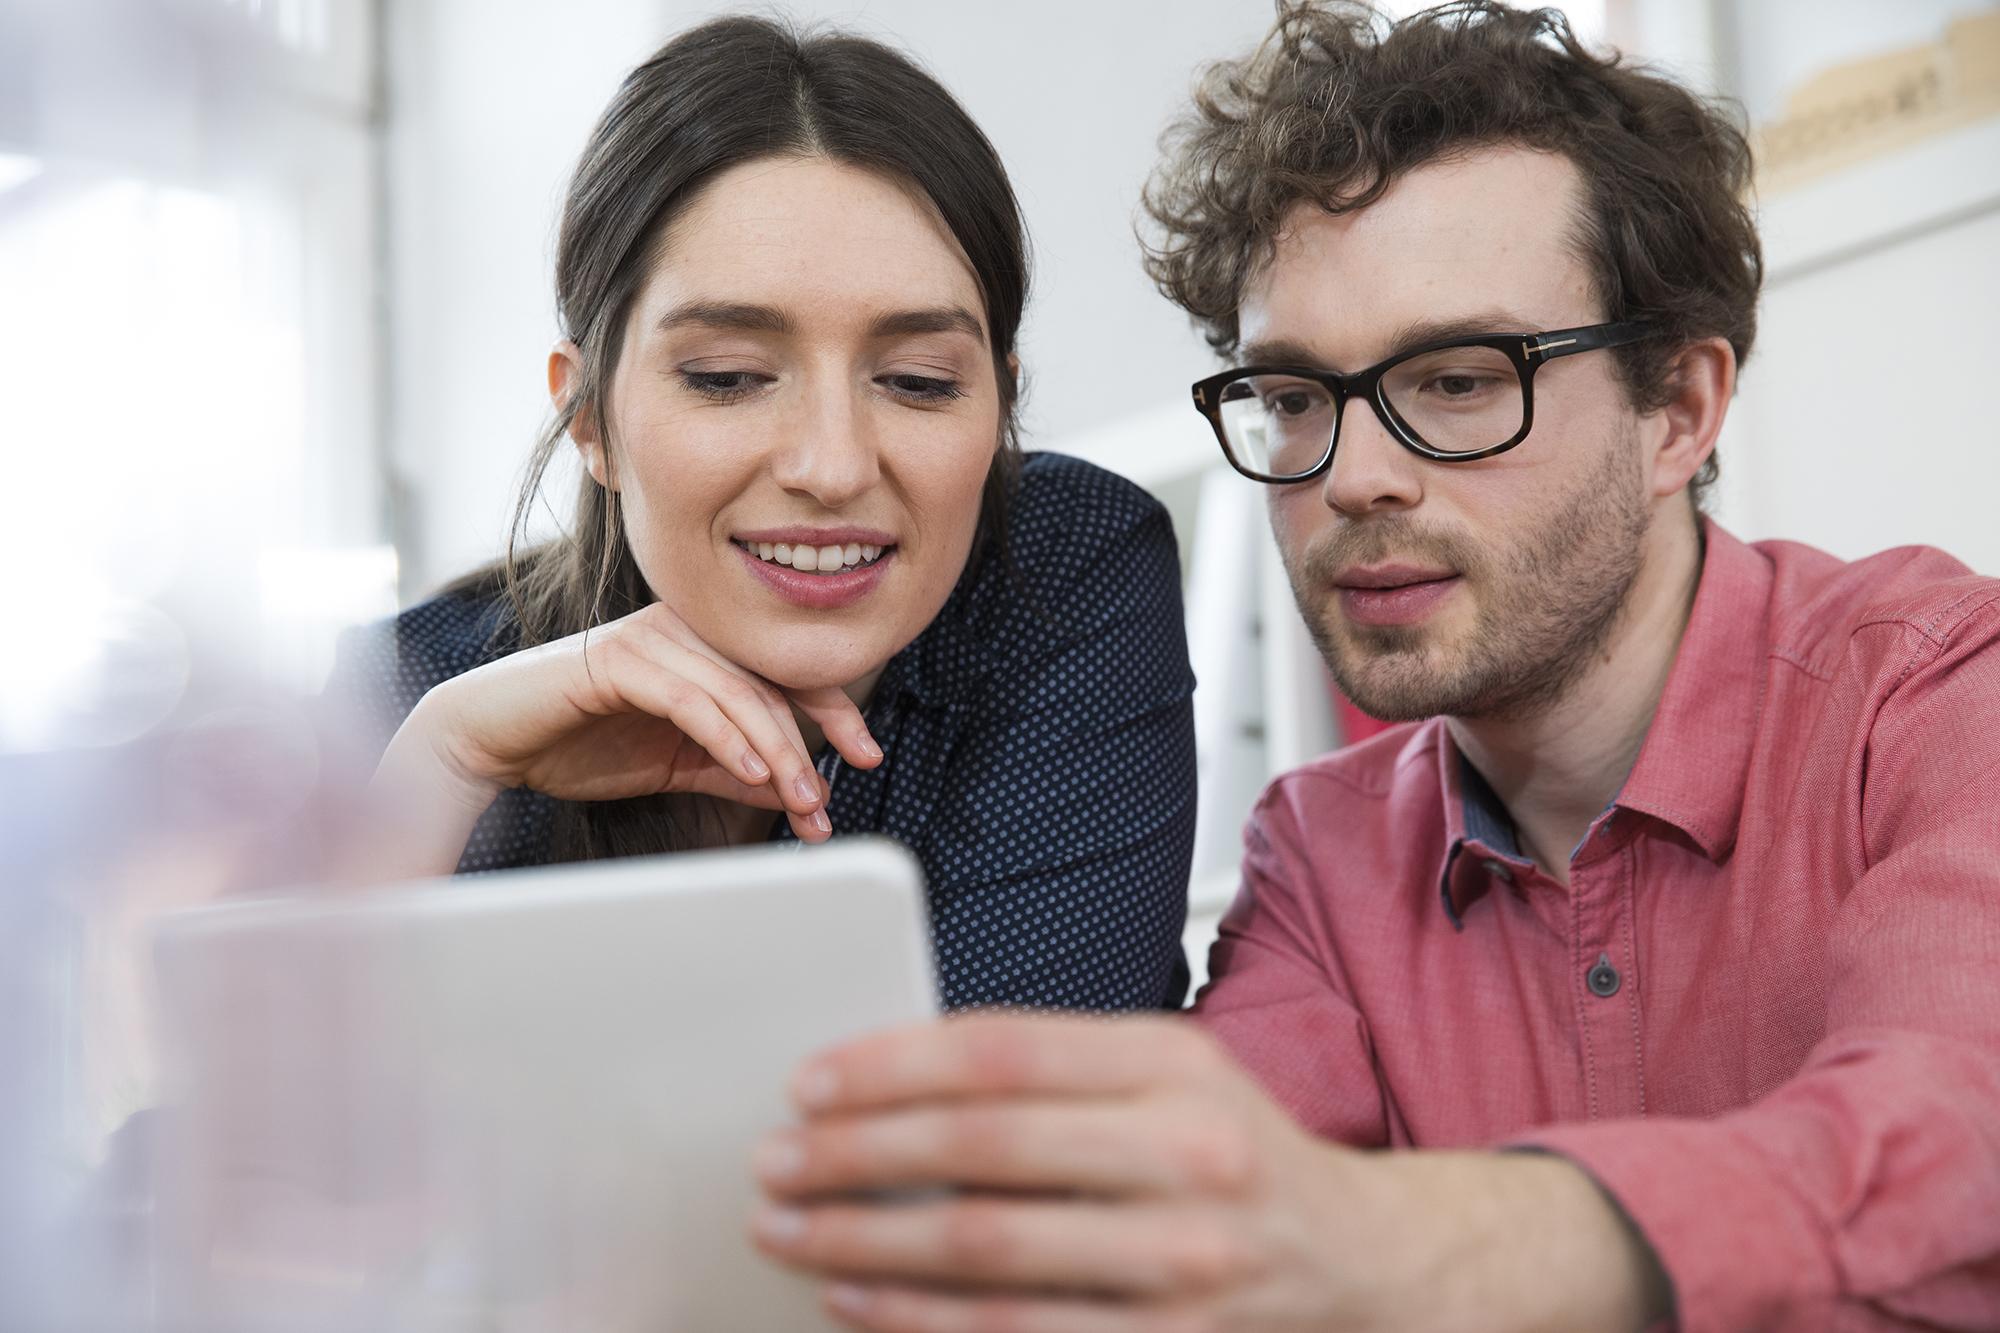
x,y
1380,541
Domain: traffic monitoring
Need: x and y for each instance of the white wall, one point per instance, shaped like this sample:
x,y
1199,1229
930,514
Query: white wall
x,y
1866,417
487,106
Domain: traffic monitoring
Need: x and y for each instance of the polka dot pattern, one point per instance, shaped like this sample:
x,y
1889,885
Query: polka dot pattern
x,y
1038,740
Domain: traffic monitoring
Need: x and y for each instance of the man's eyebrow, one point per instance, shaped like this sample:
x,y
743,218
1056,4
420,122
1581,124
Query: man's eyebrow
x,y
726,315
1417,333
934,319
1276,352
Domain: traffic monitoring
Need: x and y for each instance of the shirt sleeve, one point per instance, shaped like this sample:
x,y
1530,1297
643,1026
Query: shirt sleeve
x,y
1865,1191
1285,1014
367,694
1062,879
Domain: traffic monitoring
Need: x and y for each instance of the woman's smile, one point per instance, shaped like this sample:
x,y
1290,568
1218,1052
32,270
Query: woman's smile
x,y
823,571
816,550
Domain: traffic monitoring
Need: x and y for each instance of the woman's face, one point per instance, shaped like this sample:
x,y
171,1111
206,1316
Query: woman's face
x,y
802,419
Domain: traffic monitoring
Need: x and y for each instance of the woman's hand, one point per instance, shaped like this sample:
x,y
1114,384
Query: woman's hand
x,y
636,707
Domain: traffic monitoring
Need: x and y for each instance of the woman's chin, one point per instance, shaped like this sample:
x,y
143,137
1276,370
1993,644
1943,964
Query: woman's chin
x,y
810,669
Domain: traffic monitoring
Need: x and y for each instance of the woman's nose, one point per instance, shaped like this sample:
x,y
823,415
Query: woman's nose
x,y
830,451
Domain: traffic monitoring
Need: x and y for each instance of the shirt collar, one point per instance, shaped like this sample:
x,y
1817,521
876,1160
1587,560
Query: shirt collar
x,y
1480,843
1696,754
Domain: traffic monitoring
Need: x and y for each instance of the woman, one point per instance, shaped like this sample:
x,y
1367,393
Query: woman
x,y
812,586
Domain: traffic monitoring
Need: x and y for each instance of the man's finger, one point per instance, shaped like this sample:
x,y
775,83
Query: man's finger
x,y
893,1308
1028,1245
1108,1146
1003,1055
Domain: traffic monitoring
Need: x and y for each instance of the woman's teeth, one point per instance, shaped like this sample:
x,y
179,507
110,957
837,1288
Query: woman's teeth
x,y
816,559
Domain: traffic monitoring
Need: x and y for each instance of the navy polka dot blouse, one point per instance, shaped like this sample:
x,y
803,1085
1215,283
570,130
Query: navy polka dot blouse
x,y
1038,740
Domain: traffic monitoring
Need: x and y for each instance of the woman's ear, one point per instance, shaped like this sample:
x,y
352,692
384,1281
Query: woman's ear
x,y
565,375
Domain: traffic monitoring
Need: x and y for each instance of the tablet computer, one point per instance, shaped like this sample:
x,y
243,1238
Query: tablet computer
x,y
520,1102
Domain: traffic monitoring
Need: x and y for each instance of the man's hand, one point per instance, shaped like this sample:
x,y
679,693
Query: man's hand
x,y
1122,1174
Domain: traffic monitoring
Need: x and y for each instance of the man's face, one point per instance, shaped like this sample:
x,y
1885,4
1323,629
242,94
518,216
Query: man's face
x,y
1478,589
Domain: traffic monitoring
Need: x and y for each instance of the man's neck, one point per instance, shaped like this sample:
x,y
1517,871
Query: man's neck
x,y
1558,769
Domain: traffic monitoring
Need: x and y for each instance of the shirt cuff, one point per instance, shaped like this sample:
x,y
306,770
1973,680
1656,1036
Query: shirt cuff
x,y
1741,1250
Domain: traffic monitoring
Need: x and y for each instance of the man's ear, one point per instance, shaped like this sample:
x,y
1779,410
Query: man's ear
x,y
1683,431
565,374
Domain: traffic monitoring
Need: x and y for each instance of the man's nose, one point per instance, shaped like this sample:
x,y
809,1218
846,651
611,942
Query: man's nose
x,y
1371,471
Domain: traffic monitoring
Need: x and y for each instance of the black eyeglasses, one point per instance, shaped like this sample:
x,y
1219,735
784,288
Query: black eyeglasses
x,y
1450,401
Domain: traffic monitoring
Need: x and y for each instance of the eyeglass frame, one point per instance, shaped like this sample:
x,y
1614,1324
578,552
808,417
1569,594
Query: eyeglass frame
x,y
1528,352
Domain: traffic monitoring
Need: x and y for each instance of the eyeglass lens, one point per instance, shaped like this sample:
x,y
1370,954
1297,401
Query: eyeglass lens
x,y
1454,400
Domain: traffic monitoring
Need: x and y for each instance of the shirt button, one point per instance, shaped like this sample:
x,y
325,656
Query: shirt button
x,y
1603,979
1501,871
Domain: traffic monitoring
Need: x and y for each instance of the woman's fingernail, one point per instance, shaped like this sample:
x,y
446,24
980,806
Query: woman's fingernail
x,y
869,747
755,766
820,821
848,1298
807,786
779,1226
780,1157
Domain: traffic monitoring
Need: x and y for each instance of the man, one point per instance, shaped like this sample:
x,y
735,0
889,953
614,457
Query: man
x,y
1671,943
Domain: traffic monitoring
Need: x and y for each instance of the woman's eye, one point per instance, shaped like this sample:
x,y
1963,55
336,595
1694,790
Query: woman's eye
x,y
923,388
722,385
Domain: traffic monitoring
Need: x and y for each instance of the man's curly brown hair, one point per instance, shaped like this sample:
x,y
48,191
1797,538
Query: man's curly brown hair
x,y
1338,102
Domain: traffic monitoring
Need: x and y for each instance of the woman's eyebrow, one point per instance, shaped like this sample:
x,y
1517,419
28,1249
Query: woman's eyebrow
x,y
935,319
726,315
740,315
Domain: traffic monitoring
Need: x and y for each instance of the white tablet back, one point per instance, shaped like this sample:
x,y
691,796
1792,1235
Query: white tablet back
x,y
517,1102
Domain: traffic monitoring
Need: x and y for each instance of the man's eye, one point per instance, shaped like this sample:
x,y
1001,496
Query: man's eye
x,y
1459,386
1295,403
721,384
923,388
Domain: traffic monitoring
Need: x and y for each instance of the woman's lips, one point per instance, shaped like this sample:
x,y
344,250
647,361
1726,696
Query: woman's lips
x,y
1401,604
819,592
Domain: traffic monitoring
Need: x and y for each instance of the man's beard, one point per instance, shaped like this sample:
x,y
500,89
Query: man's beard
x,y
1545,608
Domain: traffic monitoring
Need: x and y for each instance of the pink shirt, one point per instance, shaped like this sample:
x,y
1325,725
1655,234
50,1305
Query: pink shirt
x,y
1765,1015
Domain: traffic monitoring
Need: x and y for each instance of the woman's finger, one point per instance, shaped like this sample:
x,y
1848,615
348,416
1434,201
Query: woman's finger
x,y
647,686
836,715
840,722
662,671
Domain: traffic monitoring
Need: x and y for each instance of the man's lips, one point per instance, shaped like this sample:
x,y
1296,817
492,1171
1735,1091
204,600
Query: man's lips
x,y
1393,594
1389,576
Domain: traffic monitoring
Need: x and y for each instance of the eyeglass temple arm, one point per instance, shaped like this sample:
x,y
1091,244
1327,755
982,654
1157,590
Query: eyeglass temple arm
x,y
1568,342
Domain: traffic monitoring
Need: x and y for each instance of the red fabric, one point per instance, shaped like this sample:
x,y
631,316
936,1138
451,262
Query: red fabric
x,y
1355,725
1795,1089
